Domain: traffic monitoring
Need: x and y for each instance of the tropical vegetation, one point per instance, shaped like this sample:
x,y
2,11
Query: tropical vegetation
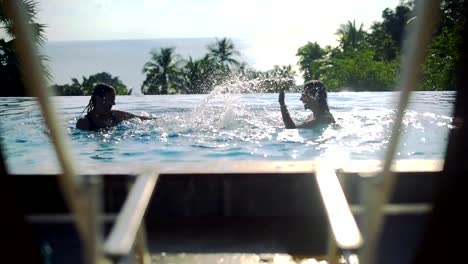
x,y
161,71
369,60
168,73
363,60
10,71
87,84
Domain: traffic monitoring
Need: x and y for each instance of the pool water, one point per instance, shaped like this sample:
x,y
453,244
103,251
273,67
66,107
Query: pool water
x,y
231,126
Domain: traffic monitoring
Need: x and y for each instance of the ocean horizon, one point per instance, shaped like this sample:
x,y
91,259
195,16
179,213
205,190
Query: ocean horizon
x,y
122,58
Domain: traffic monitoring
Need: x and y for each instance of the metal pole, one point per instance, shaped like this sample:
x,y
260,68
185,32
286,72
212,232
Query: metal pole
x,y
415,50
36,86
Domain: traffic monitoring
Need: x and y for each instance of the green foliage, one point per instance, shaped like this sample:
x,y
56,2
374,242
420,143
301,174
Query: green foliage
x,y
395,21
88,84
452,14
444,51
198,76
222,52
369,60
167,74
161,71
10,70
308,54
350,36
86,87
278,79
67,90
383,44
362,61
359,71
31,8
439,69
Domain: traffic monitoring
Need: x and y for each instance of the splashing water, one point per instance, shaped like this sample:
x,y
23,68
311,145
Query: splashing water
x,y
228,125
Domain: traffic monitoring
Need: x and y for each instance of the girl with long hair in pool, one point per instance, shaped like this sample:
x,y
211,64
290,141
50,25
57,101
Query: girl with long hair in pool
x,y
99,113
314,98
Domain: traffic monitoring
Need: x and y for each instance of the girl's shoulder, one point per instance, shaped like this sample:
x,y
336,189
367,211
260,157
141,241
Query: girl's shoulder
x,y
83,123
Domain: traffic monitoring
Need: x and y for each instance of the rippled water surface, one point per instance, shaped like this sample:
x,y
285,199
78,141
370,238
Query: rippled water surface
x,y
227,127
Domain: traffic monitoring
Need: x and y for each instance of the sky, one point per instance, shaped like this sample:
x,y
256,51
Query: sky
x,y
273,27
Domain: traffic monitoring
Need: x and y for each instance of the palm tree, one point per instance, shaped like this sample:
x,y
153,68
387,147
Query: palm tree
x,y
223,51
151,85
10,71
277,79
161,71
30,7
198,75
88,83
308,54
349,35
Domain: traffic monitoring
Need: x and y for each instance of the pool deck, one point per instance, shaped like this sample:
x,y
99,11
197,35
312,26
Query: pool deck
x,y
363,167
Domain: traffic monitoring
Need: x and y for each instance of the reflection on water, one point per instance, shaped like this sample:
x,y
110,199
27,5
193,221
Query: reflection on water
x,y
233,259
228,127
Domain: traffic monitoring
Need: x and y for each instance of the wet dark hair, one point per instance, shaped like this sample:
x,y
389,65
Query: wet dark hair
x,y
318,92
100,90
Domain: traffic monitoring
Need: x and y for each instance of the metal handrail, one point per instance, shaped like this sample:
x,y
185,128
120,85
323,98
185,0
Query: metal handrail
x,y
346,235
123,234
340,217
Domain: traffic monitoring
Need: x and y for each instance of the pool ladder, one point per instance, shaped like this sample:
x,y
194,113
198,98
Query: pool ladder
x,y
83,193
